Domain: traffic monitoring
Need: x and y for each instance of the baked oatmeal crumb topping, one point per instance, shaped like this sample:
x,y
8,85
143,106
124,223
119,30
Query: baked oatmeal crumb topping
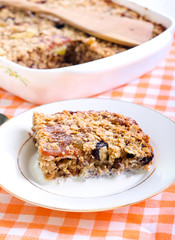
x,y
43,42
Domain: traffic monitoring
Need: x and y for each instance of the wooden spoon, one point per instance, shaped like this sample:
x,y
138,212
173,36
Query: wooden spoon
x,y
122,30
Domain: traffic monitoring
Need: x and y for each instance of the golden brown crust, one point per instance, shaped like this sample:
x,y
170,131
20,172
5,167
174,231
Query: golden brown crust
x,y
89,144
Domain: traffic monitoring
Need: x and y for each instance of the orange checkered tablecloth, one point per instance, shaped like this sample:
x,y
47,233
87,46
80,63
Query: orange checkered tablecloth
x,y
150,219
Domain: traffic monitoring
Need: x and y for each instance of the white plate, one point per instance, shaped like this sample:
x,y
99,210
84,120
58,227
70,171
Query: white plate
x,y
20,176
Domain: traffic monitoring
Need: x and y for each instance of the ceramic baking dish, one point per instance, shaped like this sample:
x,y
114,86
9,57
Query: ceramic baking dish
x,y
83,80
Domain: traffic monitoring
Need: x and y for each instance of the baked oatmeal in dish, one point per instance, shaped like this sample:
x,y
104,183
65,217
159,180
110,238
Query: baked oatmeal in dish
x,y
89,144
43,42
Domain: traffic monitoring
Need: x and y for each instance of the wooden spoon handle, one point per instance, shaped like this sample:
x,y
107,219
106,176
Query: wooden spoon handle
x,y
122,30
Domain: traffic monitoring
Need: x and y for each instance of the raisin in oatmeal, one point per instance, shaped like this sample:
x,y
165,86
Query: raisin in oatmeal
x,y
44,42
89,144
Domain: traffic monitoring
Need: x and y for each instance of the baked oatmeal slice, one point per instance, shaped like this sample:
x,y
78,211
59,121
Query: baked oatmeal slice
x,y
88,144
